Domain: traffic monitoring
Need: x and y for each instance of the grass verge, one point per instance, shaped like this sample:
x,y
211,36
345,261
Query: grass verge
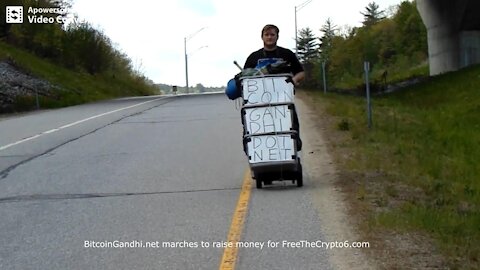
x,y
416,171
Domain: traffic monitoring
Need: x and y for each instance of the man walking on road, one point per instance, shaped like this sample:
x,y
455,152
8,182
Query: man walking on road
x,y
272,54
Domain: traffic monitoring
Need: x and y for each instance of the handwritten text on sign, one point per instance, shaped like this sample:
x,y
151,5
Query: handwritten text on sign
x,y
267,90
270,148
268,119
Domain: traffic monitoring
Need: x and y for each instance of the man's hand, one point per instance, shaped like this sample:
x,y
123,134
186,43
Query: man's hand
x,y
298,78
295,82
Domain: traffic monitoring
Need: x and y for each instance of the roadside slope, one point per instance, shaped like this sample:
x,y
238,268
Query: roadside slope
x,y
56,85
411,182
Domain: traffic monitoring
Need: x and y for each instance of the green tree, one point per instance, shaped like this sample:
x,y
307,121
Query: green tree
x,y
383,35
411,35
372,14
308,54
307,46
394,45
326,41
42,39
88,48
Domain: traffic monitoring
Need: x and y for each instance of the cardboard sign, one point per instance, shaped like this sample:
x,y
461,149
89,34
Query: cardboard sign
x,y
266,90
270,148
268,119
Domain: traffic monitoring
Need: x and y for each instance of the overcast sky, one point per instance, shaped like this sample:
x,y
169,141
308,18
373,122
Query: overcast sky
x,y
152,33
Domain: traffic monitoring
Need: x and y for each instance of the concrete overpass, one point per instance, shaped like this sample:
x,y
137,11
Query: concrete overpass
x,y
453,28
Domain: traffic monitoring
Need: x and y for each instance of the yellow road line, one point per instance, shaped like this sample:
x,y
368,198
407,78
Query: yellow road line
x,y
230,253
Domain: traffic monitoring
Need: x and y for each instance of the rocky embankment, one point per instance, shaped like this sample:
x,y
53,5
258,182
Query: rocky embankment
x,y
16,83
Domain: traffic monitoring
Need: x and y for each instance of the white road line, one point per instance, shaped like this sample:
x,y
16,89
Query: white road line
x,y
73,124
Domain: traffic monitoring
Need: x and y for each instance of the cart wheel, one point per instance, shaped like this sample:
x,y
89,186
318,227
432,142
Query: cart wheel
x,y
299,174
259,183
300,180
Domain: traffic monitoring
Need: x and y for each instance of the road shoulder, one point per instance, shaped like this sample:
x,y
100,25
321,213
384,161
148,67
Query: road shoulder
x,y
330,202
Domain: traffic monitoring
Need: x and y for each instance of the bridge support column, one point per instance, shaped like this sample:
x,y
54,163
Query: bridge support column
x,y
443,19
469,48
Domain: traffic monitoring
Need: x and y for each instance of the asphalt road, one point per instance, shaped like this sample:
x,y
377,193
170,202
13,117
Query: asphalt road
x,y
144,171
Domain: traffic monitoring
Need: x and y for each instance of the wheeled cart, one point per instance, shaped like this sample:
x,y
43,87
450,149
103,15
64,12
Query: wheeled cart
x,y
273,157
271,129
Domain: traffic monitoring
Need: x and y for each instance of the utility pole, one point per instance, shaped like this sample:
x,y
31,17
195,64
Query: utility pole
x,y
186,63
186,56
369,102
297,8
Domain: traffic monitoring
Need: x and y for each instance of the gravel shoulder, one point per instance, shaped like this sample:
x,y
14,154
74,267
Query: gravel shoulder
x,y
330,202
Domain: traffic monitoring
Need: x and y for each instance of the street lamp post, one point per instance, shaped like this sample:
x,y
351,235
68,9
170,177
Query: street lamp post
x,y
186,63
186,56
297,8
